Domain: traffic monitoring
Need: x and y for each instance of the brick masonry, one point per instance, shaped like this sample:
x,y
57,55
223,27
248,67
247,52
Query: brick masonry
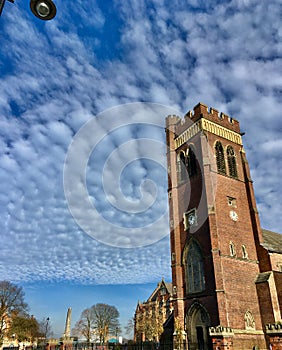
x,y
235,295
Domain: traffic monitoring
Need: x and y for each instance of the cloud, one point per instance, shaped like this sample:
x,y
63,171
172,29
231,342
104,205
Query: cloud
x,y
56,76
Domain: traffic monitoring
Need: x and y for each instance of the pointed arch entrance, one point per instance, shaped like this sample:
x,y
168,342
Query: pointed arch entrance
x,y
197,327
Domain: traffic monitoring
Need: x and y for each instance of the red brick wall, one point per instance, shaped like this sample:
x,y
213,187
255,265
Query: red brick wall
x,y
230,281
278,284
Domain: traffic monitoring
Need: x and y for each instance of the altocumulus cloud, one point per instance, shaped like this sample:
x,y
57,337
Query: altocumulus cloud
x,y
55,77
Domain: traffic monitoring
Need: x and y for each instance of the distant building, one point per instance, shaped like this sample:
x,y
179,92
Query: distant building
x,y
152,313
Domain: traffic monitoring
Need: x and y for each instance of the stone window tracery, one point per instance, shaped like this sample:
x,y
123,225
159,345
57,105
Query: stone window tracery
x,y
186,164
191,162
231,160
220,160
181,167
195,279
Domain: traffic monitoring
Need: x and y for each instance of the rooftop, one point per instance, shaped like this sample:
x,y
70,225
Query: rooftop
x,y
272,241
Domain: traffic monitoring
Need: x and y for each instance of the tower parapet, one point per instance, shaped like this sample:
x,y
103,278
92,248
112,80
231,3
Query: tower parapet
x,y
203,119
202,111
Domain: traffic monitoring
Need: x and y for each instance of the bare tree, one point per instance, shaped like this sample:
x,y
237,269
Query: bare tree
x,y
105,320
11,301
85,325
100,319
129,328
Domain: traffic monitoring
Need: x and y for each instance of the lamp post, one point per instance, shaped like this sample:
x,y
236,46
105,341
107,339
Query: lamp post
x,y
43,9
116,335
46,329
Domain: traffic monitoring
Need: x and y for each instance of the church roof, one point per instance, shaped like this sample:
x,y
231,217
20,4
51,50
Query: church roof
x,y
272,241
167,285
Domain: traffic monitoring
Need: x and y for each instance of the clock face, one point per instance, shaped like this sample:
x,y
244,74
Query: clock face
x,y
233,215
192,219
189,219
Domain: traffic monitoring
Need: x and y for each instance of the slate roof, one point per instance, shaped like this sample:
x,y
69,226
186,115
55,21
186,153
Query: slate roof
x,y
272,241
263,277
167,285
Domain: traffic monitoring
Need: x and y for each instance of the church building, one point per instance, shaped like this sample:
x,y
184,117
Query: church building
x,y
226,270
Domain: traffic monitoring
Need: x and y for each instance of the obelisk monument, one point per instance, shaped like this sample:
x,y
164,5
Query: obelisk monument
x,y
68,325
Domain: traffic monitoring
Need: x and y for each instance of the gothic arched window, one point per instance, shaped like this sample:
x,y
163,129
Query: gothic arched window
x,y
194,267
244,252
191,162
231,160
181,165
232,249
220,160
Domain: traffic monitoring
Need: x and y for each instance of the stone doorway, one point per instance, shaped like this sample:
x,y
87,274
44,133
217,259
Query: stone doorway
x,y
197,328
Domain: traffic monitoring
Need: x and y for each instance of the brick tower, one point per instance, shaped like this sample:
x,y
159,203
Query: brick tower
x,y
215,233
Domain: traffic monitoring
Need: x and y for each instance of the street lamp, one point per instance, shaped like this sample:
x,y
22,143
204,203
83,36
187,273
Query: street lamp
x,y
43,9
46,330
116,335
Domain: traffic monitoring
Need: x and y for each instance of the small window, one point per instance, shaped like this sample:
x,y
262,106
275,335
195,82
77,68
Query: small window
x,y
231,160
231,202
244,252
232,249
220,161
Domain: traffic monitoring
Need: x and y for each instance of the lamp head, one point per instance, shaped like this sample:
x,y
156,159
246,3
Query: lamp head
x,y
43,9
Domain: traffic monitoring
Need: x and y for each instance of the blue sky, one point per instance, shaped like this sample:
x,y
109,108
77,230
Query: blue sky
x,y
57,76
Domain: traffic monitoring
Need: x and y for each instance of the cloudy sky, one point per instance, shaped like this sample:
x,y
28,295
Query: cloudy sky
x,y
72,126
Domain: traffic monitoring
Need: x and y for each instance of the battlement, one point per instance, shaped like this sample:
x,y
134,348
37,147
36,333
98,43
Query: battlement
x,y
274,327
172,120
220,330
202,111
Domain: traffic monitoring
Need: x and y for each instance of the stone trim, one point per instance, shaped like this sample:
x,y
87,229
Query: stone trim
x,y
248,331
239,258
221,331
274,328
207,125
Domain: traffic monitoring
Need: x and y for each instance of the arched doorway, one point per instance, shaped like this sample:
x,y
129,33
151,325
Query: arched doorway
x,y
197,328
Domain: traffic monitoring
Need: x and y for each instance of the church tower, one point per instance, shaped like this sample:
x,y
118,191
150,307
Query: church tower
x,y
214,232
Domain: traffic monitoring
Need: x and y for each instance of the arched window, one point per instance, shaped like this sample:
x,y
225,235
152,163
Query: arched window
x,y
232,249
220,161
191,162
181,165
195,279
249,320
231,160
244,252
